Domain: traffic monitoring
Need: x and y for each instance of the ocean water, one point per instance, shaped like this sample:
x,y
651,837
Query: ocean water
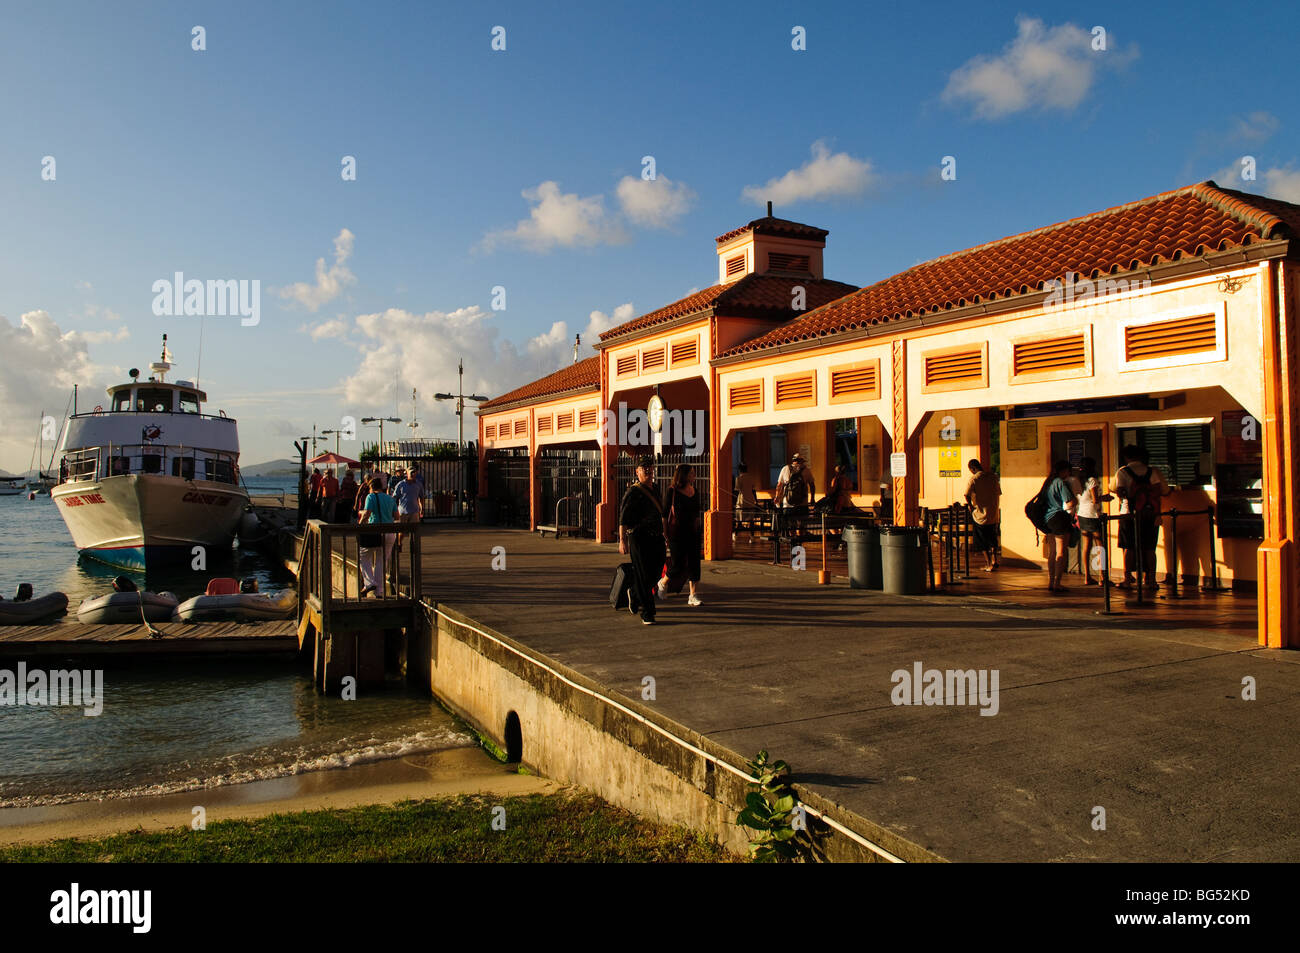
x,y
191,723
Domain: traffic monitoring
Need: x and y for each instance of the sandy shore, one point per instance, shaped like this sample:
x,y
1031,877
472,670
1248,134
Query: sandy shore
x,y
435,774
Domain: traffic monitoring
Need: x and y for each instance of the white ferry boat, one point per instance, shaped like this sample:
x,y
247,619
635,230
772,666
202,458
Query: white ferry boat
x,y
149,477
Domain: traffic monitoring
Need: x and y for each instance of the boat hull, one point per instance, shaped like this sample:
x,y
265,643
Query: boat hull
x,y
143,521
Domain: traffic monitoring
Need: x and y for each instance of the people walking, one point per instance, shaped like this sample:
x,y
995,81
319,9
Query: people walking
x,y
375,548
1139,487
641,536
685,535
345,505
1090,516
746,501
313,493
795,486
1059,518
329,491
982,495
410,508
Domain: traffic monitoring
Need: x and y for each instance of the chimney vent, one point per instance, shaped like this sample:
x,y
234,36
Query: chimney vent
x,y
769,208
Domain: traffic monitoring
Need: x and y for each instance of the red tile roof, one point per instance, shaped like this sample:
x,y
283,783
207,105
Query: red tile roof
x,y
751,296
767,225
1187,222
583,375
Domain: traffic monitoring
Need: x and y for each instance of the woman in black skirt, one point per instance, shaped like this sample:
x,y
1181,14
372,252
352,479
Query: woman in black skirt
x,y
685,535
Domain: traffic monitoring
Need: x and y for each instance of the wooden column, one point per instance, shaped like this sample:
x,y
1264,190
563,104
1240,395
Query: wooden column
x,y
607,510
534,486
1277,555
906,489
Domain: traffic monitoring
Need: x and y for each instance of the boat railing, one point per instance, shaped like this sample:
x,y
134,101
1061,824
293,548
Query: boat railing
x,y
120,459
334,565
108,411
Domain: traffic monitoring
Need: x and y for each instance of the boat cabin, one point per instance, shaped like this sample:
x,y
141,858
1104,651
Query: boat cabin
x,y
155,397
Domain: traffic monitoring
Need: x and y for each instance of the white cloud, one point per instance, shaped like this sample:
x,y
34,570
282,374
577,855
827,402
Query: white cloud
x,y
599,322
99,337
559,219
653,203
325,330
39,363
1282,184
329,281
825,176
1256,127
1042,68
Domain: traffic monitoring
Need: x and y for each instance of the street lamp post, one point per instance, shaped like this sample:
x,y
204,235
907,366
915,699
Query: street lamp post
x,y
380,420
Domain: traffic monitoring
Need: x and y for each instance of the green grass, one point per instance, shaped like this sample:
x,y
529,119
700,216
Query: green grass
x,y
558,828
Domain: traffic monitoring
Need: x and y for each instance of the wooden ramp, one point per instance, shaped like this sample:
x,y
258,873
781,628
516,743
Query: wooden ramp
x,y
75,639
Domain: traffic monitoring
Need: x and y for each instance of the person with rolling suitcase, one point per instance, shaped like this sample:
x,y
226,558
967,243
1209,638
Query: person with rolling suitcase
x,y
641,536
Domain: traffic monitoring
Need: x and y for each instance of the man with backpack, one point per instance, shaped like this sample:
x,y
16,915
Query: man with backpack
x,y
795,487
1139,487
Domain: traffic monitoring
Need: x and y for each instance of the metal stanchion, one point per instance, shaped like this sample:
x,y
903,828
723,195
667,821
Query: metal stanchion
x,y
1105,579
1136,525
1174,592
1214,557
967,525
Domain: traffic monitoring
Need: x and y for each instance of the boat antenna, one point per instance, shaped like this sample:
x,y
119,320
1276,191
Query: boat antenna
x,y
198,365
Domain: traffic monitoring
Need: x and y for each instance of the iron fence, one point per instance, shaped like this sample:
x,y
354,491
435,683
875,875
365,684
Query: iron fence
x,y
573,475
508,487
665,465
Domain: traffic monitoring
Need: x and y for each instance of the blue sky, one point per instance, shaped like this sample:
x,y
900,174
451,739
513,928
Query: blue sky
x,y
522,169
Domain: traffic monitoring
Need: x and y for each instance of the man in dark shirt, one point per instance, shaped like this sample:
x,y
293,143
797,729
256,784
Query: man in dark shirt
x,y
641,534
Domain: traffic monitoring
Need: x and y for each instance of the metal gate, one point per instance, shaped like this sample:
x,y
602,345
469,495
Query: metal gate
x,y
508,486
573,475
665,465
449,482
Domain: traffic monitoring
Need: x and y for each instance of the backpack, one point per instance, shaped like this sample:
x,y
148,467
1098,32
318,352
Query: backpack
x,y
796,491
1142,499
1036,508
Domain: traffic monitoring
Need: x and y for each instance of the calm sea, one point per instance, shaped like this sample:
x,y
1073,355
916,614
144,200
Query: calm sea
x,y
186,724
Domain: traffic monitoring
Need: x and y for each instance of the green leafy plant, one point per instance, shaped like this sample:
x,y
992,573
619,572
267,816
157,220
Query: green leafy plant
x,y
770,811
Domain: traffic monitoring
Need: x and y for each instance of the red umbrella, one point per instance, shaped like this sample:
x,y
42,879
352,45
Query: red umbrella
x,y
333,459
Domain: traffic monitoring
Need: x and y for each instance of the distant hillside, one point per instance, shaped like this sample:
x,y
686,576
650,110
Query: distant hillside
x,y
283,467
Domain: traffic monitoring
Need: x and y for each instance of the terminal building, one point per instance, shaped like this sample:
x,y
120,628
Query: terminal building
x,y
1168,322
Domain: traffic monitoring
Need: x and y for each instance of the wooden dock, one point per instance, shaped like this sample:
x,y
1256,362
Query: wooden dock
x,y
75,639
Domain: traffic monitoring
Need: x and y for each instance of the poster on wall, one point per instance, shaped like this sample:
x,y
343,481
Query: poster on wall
x,y
950,455
870,464
1022,434
898,464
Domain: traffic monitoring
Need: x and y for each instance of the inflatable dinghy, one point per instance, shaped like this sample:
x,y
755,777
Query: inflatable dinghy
x,y
24,610
227,601
117,608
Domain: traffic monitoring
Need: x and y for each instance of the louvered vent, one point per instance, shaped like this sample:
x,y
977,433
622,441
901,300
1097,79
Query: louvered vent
x,y
521,426
587,419
955,368
735,266
564,422
490,432
626,364
652,360
794,389
1051,354
745,396
686,352
1167,338
855,380
544,424
781,262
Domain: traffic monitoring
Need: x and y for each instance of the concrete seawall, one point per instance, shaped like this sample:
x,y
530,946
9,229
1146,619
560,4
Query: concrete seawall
x,y
570,728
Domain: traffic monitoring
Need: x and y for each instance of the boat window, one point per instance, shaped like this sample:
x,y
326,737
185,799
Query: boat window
x,y
153,400
122,400
219,470
189,402
183,467
151,463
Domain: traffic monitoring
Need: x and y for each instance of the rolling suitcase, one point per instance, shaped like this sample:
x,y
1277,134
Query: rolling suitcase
x,y
622,588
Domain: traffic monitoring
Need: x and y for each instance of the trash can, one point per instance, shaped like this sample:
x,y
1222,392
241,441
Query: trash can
x,y
862,544
485,511
902,558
